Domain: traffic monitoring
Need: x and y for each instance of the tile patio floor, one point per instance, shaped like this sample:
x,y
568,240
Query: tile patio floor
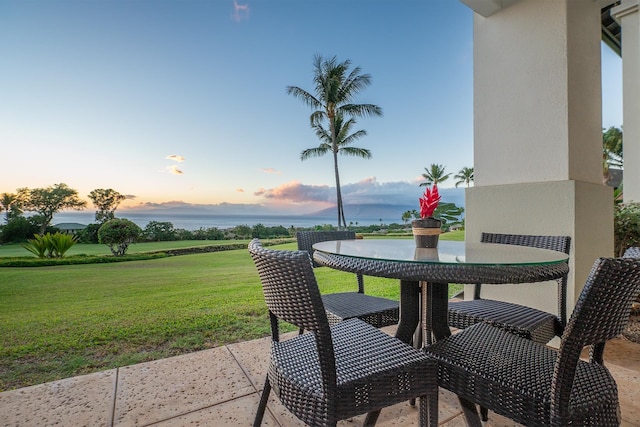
x,y
220,387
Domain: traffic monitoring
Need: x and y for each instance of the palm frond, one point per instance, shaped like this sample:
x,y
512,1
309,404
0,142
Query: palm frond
x,y
315,152
355,152
361,110
304,96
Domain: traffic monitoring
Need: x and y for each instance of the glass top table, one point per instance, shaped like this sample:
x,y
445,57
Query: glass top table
x,y
450,262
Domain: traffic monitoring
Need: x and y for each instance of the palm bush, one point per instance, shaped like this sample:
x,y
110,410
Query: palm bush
x,y
50,245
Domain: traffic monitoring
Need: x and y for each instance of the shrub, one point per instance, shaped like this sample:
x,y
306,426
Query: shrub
x,y
89,234
159,231
626,227
118,234
18,229
50,245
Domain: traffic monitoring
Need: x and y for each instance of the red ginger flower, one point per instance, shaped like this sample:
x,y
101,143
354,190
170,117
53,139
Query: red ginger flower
x,y
429,201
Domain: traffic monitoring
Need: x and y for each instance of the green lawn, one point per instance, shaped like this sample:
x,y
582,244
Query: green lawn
x,y
62,321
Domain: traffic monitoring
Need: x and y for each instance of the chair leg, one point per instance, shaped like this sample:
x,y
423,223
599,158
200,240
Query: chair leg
x,y
470,413
263,403
429,410
372,418
484,414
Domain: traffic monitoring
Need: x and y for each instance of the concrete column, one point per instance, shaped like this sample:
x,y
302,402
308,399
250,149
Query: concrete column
x,y
628,16
538,134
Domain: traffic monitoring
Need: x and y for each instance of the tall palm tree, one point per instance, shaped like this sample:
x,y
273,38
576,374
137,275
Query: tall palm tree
x,y
434,175
465,176
335,89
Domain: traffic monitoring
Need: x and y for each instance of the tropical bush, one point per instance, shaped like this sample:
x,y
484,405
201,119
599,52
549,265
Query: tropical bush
x,y
118,234
626,226
18,229
50,245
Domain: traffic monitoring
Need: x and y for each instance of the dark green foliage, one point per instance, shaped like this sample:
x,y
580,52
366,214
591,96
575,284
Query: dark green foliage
x,y
89,234
242,231
118,234
626,227
159,231
18,229
262,232
211,233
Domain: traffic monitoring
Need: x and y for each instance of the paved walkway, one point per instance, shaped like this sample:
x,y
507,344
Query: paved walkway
x,y
220,387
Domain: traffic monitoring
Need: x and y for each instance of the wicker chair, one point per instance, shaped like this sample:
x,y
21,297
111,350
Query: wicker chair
x,y
632,252
341,306
527,322
534,384
333,372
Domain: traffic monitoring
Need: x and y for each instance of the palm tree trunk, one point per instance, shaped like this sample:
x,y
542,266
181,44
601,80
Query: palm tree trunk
x,y
338,192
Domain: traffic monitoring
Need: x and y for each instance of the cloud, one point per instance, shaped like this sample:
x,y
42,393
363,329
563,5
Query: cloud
x,y
271,171
297,192
129,196
240,11
175,157
240,190
365,191
173,169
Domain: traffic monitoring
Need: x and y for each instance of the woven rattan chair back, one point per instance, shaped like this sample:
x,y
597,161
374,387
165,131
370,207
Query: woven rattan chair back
x,y
340,306
601,313
290,288
554,243
306,240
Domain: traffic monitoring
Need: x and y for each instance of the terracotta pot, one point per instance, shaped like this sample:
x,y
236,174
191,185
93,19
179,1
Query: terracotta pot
x,y
426,232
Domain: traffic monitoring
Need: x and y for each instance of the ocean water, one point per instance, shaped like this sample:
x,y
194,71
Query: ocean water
x,y
196,221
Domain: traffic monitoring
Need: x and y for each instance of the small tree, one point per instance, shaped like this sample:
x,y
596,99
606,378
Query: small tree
x,y
47,201
626,227
159,231
242,231
107,201
118,234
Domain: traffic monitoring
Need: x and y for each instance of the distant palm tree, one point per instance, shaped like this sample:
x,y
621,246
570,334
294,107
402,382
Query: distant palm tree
x,y
12,205
335,89
434,175
465,176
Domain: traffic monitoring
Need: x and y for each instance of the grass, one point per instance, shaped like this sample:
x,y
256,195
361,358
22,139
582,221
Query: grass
x,y
62,321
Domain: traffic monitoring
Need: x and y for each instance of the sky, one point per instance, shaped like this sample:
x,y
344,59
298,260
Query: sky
x,y
183,103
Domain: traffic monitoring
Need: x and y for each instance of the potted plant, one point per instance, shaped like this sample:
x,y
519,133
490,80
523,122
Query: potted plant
x,y
427,229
